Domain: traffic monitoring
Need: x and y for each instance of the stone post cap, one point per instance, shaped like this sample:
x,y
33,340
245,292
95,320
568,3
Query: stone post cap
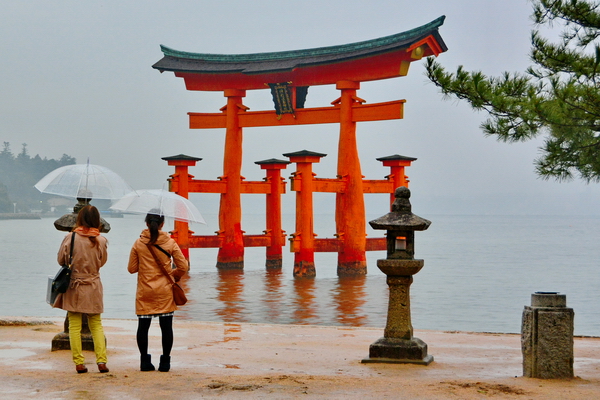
x,y
548,299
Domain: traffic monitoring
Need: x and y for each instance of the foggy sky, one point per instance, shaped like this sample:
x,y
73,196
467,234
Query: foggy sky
x,y
76,78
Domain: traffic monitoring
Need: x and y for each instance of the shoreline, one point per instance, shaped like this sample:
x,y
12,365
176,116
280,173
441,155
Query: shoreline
x,y
5,216
33,321
245,360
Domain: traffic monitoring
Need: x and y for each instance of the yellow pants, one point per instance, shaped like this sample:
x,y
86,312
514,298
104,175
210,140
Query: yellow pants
x,y
95,323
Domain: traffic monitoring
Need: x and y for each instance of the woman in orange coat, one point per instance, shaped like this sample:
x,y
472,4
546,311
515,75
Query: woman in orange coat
x,y
84,295
154,295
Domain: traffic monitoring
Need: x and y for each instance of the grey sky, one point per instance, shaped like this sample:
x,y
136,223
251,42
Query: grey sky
x,y
76,78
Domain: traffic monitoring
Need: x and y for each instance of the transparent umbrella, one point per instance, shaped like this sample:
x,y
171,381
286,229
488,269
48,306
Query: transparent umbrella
x,y
163,202
84,181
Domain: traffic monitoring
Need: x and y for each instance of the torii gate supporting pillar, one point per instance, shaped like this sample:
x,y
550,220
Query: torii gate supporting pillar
x,y
397,164
273,203
180,179
303,240
231,252
350,205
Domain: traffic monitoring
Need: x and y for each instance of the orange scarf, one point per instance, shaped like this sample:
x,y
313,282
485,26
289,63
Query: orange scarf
x,y
87,232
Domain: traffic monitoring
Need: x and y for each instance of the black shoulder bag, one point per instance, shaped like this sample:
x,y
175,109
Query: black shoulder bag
x,y
62,279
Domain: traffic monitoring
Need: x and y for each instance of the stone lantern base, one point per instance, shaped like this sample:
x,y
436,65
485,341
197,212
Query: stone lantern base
x,y
399,351
61,340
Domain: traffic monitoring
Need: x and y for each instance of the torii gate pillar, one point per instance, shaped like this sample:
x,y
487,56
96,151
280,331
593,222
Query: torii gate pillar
x,y
231,252
273,168
303,184
350,204
397,164
181,179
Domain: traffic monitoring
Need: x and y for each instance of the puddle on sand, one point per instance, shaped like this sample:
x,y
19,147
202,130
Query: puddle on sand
x,y
7,355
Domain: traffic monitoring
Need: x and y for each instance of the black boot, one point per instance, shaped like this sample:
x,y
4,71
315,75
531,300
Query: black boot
x,y
165,364
146,363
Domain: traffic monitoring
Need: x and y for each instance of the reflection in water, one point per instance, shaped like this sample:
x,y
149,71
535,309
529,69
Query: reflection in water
x,y
348,298
276,297
304,302
273,295
230,288
232,332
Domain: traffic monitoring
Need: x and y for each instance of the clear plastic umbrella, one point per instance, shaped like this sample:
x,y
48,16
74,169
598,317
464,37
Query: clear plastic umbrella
x,y
87,181
162,202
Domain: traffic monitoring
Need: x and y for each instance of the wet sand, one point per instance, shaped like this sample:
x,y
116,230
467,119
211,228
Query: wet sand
x,y
254,361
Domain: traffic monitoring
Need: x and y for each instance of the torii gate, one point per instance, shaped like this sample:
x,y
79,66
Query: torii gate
x,y
289,74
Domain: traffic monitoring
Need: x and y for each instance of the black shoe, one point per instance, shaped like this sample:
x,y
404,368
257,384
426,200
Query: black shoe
x,y
146,363
165,364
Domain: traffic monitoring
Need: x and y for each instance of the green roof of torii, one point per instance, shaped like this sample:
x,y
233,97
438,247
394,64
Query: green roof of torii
x,y
315,52
374,59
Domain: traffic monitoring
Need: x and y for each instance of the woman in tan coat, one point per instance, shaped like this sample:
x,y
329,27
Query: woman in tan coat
x,y
84,295
154,295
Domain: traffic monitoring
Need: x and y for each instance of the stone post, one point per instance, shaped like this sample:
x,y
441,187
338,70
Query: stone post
x,y
547,337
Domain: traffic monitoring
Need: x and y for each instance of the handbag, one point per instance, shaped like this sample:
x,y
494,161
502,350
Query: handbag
x,y
60,282
178,293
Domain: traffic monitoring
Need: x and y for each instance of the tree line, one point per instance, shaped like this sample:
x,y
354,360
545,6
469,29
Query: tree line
x,y
18,175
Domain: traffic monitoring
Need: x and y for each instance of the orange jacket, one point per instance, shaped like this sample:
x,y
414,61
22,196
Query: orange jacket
x,y
154,293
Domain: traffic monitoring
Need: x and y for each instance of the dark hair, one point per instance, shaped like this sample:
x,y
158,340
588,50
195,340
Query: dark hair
x,y
154,221
89,217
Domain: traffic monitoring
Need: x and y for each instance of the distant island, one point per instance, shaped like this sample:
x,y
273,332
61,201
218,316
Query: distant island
x,y
20,216
18,174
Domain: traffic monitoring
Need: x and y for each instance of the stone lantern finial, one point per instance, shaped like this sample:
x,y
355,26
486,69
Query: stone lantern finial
x,y
402,202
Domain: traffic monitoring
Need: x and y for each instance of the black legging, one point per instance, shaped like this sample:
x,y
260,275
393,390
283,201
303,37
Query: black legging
x,y
166,327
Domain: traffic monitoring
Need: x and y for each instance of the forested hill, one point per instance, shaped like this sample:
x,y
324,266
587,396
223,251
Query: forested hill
x,y
18,174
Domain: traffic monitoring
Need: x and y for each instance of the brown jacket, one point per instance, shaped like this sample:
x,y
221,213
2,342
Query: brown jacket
x,y
84,294
154,293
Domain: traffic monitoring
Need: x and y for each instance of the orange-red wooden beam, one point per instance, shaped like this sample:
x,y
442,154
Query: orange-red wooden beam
x,y
304,116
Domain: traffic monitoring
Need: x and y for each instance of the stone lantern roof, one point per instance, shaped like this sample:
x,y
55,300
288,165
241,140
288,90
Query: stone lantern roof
x,y
401,217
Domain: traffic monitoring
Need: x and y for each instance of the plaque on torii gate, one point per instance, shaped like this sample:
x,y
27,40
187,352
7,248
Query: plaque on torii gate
x,y
288,75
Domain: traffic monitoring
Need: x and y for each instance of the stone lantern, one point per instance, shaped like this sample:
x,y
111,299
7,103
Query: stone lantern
x,y
66,223
398,344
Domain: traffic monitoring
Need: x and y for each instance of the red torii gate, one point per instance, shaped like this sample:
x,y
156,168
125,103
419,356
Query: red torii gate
x,y
289,74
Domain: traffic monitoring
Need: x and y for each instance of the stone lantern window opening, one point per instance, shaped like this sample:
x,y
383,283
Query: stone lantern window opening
x,y
400,243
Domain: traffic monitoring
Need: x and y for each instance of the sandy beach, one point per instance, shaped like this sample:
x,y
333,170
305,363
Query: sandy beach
x,y
220,360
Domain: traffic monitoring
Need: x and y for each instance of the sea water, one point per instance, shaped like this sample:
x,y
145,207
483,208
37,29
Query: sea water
x,y
479,273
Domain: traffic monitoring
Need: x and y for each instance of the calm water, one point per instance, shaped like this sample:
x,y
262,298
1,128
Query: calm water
x,y
479,273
